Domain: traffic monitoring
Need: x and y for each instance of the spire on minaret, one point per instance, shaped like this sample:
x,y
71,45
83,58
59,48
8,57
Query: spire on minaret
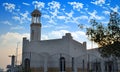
x,y
36,25
36,6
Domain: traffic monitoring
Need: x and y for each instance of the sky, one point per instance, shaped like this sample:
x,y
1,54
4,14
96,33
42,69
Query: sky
x,y
58,17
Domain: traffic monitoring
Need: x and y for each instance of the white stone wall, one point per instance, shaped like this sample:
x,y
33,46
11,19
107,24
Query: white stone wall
x,y
46,53
52,50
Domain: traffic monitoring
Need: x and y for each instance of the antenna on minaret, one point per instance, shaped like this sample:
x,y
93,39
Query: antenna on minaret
x,y
36,6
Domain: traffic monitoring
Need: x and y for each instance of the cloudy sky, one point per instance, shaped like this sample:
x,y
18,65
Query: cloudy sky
x,y
58,17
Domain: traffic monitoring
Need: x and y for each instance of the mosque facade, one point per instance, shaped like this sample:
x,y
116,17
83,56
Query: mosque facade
x,y
60,55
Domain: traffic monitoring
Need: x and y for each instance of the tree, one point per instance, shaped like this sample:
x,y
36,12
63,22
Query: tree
x,y
106,36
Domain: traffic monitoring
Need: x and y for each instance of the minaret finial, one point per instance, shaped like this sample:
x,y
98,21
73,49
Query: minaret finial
x,y
36,6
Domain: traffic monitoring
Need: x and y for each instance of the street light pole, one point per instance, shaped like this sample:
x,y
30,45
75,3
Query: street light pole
x,y
16,53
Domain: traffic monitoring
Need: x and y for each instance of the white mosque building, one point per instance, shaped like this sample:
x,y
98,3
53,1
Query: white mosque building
x,y
60,55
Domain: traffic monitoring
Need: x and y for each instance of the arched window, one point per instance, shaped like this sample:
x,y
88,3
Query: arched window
x,y
62,64
27,65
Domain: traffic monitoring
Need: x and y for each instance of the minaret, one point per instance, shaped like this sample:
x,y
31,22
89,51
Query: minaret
x,y
35,26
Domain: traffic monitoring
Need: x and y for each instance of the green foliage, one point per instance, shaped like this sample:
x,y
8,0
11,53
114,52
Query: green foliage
x,y
107,37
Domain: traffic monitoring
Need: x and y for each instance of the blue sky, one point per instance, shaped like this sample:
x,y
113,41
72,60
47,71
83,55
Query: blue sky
x,y
58,17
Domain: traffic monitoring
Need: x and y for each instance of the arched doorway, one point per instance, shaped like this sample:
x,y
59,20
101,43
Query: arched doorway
x,y
62,64
27,65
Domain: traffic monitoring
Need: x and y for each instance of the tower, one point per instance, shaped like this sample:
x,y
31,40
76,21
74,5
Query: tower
x,y
35,26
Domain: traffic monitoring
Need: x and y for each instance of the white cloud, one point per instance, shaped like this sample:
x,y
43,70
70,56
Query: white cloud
x,y
47,26
8,44
106,12
93,15
56,34
59,33
77,20
54,5
17,18
79,36
105,22
61,27
38,4
27,4
76,5
70,14
46,16
10,37
61,17
6,22
44,37
54,13
52,21
69,17
51,18
17,15
23,17
82,17
99,2
99,17
9,6
115,9
17,28
54,8
56,27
